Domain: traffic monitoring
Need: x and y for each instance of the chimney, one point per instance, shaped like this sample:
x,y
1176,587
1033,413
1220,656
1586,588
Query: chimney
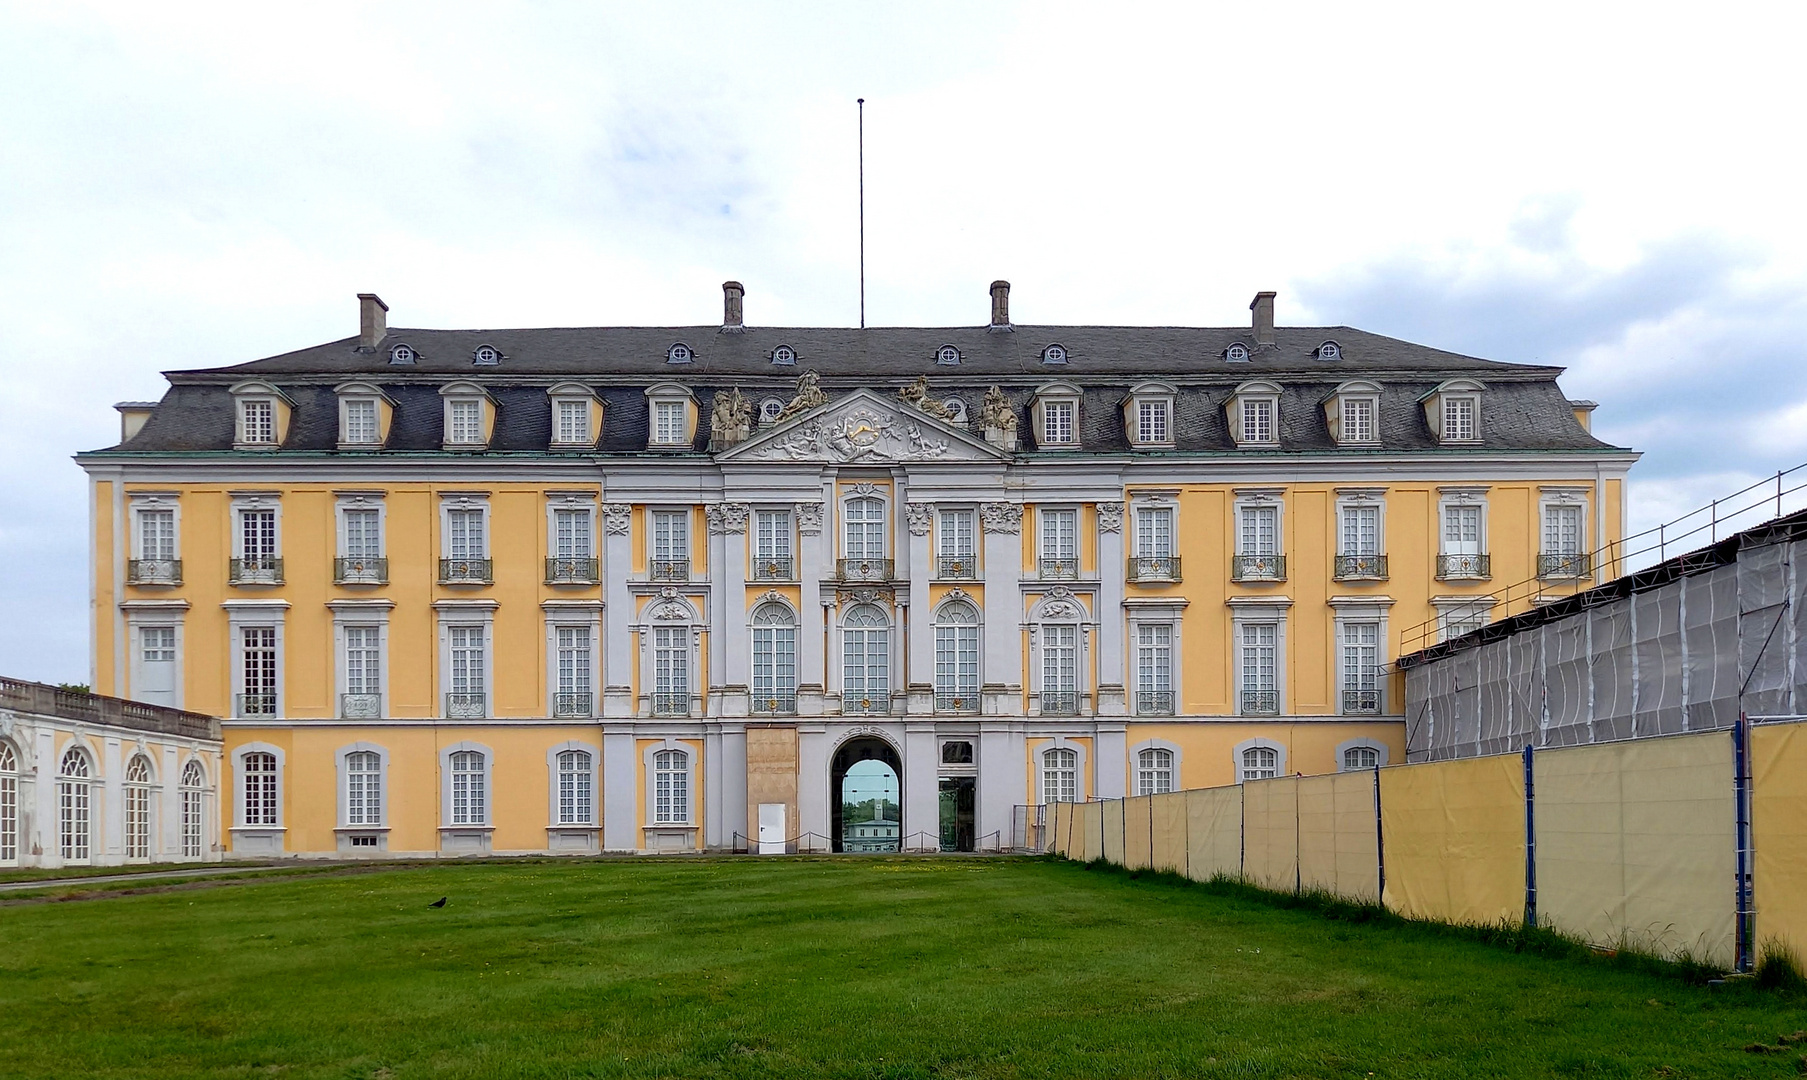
x,y
732,291
1000,306
1263,307
373,321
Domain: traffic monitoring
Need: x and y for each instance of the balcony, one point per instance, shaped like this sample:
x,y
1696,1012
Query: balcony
x,y
561,571
153,572
466,571
45,700
1260,703
1361,702
853,571
774,702
957,567
1257,568
361,570
1361,568
1464,567
671,704
1154,569
1060,703
360,706
1154,703
669,570
1564,567
773,568
573,703
958,702
255,570
466,706
1053,569
250,706
876,704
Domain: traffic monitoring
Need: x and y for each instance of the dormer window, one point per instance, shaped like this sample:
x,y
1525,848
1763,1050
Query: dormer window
x,y
678,354
947,355
670,417
1458,418
260,416
576,416
403,354
257,420
486,356
1237,354
1148,416
1453,411
769,410
468,415
1054,354
784,355
1253,412
1257,420
1330,350
1056,416
1353,413
364,414
466,420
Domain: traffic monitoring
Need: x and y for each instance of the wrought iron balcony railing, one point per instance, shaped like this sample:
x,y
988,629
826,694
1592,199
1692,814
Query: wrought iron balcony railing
x,y
957,567
772,568
563,571
361,570
360,706
667,703
568,703
772,702
1053,569
466,571
153,572
1257,568
956,701
1462,567
877,703
1361,701
1154,568
1260,702
466,705
1060,703
669,570
857,570
1578,565
255,570
1361,568
1154,702
255,705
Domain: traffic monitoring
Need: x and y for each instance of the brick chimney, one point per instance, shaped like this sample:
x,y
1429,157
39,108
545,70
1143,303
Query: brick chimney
x,y
1000,306
1263,307
732,292
373,321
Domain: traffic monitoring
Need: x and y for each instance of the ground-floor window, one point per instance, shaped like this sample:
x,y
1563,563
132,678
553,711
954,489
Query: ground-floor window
x,y
137,809
72,790
1060,775
9,804
1154,772
194,786
470,799
1260,763
574,799
671,787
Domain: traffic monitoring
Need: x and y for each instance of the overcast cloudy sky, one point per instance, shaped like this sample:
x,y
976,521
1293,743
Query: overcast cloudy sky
x,y
1615,188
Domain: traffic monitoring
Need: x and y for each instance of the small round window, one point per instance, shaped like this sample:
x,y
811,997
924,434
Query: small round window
x,y
1054,354
1236,354
401,354
947,354
769,410
487,354
784,354
678,354
1330,350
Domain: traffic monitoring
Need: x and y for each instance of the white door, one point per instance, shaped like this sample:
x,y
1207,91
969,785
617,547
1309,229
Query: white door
x,y
156,666
771,828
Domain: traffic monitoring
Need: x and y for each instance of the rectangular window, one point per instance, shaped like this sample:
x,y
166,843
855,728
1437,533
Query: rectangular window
x,y
574,798
137,822
363,788
1461,530
1562,530
257,421
1458,419
956,537
1060,665
1060,775
1257,420
671,535
1154,772
774,667
470,795
1360,531
467,659
1357,419
671,663
1361,667
191,823
466,537
1259,531
1258,670
1154,532
9,807
257,664
574,661
668,423
467,421
363,660
571,534
1151,422
156,534
957,666
866,666
772,537
257,534
363,534
865,528
159,644
671,787
1154,663
360,421
260,789
1057,422
574,422
1060,534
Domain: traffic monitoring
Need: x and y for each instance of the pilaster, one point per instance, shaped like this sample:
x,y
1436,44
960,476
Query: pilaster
x,y
921,676
812,567
1002,768
1110,761
922,789
620,773
730,657
1112,568
812,788
1002,689
618,611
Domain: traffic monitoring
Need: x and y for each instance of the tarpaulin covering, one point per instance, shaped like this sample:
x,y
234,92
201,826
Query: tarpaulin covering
x,y
1609,646
1779,834
1762,638
1112,831
1710,636
1270,833
1657,659
1169,826
1060,839
1214,833
1635,844
1455,839
1566,673
1091,826
1339,838
1138,835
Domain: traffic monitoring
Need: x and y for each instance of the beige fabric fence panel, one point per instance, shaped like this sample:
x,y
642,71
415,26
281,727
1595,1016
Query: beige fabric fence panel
x,y
1636,844
1113,831
1214,833
1060,827
1270,833
1138,833
1779,834
1168,825
1454,834
1091,818
1339,840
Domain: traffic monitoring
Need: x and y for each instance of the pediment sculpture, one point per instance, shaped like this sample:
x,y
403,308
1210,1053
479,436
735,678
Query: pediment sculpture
x,y
809,396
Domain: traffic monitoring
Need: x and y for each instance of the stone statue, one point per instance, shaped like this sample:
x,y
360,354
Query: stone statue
x,y
809,396
998,420
731,420
916,395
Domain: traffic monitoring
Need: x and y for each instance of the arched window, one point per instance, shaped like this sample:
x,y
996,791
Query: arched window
x,y
1060,775
671,787
774,659
575,801
1260,763
957,658
73,780
866,667
363,788
138,808
470,795
194,787
260,788
1154,772
1356,758
1060,669
9,804
865,520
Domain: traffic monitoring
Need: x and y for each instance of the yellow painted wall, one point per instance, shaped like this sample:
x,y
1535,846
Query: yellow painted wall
x,y
1207,750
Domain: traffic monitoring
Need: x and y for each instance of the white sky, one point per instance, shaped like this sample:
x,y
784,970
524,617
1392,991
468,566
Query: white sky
x,y
1615,188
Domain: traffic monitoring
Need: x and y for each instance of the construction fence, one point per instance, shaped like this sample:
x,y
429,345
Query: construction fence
x,y
1686,845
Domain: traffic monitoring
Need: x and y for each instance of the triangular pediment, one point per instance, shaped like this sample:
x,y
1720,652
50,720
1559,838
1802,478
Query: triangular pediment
x,y
864,427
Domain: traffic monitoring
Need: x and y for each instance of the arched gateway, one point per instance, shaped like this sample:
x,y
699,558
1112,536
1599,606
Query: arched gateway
x,y
866,808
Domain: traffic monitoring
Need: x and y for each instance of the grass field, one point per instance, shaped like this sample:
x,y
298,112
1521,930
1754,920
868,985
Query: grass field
x,y
877,967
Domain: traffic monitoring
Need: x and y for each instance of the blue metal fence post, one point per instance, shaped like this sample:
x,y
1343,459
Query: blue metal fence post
x,y
1530,841
1741,794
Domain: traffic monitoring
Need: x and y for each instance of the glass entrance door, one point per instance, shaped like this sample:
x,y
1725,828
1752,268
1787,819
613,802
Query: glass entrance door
x,y
957,813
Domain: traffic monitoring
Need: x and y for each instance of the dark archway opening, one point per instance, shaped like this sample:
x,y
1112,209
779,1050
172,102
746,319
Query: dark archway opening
x,y
866,782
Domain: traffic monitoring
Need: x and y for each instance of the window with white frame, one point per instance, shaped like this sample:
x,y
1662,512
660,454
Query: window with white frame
x,y
364,788
1358,758
75,778
469,670
864,520
669,423
774,688
470,788
194,793
1154,771
1360,663
671,787
571,537
866,660
358,421
1060,543
1060,775
956,539
576,801
138,808
363,672
1563,529
464,421
1459,618
576,693
257,670
258,783
1154,532
257,421
957,657
1459,417
1260,763
1258,420
1258,530
1462,529
671,670
1154,421
772,559
1356,419
467,536
1060,669
1360,531
363,533
158,670
1154,669
1258,669
9,803
1058,427
156,534
573,421
258,545
671,545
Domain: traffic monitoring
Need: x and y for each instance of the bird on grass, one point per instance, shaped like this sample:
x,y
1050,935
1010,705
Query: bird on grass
x,y
438,903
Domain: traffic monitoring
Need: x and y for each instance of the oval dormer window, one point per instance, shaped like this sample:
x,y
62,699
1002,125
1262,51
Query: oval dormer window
x,y
1330,350
402,354
956,410
486,355
769,410
947,354
784,354
1054,354
678,354
1237,354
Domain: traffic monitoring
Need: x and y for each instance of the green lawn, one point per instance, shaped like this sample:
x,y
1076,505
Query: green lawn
x,y
877,967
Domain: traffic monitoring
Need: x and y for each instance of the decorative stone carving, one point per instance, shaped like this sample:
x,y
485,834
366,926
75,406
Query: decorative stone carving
x,y
864,488
916,395
861,434
866,594
727,517
956,593
809,396
1002,517
809,517
1110,517
616,517
921,517
1060,610
998,420
731,419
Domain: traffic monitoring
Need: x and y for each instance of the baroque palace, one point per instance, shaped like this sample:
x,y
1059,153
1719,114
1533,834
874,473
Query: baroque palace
x,y
656,589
